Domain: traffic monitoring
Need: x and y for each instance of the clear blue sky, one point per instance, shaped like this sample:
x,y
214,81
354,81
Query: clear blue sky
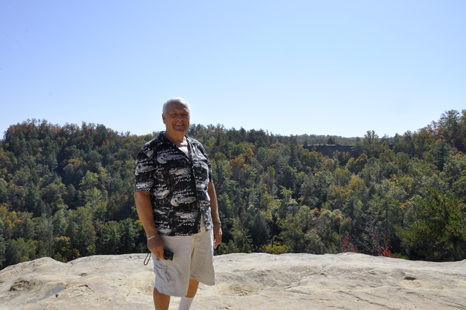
x,y
289,67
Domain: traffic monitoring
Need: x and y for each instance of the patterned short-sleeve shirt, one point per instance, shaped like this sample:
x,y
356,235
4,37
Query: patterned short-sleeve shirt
x,y
177,184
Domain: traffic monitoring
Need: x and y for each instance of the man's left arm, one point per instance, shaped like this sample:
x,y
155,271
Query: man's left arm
x,y
215,215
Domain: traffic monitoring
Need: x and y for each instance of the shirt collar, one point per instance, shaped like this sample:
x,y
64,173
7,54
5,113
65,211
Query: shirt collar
x,y
164,139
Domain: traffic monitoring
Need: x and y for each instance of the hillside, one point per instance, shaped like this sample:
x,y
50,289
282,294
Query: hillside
x,y
67,192
244,281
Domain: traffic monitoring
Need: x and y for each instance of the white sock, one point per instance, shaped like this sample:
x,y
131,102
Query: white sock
x,y
185,303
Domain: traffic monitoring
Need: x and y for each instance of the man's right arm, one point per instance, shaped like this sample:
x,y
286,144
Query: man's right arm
x,y
144,208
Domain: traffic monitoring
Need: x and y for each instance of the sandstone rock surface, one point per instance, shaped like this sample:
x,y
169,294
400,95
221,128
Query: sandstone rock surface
x,y
244,281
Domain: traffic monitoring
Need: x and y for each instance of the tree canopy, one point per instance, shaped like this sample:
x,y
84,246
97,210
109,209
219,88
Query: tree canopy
x,y
67,191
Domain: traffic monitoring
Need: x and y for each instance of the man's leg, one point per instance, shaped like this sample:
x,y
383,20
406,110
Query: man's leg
x,y
161,301
185,302
192,289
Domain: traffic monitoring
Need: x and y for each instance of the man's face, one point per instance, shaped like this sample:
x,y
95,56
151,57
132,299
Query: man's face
x,y
176,118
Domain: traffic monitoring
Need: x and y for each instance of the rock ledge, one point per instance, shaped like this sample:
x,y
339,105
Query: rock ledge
x,y
244,281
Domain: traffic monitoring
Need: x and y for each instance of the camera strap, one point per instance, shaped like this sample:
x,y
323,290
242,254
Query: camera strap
x,y
147,259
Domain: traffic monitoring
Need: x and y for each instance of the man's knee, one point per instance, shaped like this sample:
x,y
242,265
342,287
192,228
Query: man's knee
x,y
192,289
161,301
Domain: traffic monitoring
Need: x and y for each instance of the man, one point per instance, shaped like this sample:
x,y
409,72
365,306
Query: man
x,y
177,205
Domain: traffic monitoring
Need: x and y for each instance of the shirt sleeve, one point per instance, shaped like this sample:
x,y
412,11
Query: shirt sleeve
x,y
144,173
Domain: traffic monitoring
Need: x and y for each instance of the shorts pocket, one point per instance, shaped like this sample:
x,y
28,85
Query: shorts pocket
x,y
162,272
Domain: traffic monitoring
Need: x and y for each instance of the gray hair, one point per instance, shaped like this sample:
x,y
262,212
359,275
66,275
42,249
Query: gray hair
x,y
175,100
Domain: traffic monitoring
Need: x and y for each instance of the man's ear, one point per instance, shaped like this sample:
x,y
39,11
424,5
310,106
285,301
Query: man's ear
x,y
163,117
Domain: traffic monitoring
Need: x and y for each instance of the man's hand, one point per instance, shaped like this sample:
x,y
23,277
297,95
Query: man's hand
x,y
156,246
144,208
217,235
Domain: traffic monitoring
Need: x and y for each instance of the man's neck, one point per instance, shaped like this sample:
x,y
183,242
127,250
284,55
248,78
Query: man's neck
x,y
178,140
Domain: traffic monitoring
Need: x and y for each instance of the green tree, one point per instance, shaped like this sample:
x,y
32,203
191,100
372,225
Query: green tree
x,y
12,255
441,154
313,242
89,181
3,193
289,178
59,223
27,226
44,234
438,230
260,232
372,145
128,236
86,234
53,195
450,126
327,227
240,242
33,200
3,247
287,205
26,249
311,160
70,197
323,180
111,238
293,229
459,187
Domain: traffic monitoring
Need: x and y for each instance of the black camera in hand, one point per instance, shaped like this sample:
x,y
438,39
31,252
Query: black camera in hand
x,y
167,255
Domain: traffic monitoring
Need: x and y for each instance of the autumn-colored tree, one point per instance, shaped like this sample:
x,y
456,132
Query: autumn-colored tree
x,y
63,249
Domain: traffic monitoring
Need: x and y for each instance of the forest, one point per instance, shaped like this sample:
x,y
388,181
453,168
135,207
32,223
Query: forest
x,y
66,191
